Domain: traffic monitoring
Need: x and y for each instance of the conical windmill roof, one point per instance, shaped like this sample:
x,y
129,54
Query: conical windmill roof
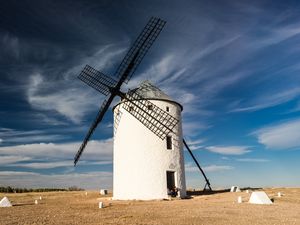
x,y
148,91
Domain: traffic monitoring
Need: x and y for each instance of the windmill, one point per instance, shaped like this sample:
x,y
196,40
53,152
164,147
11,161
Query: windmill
x,y
152,117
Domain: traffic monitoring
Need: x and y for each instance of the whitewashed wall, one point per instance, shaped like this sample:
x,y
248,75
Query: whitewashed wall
x,y
141,159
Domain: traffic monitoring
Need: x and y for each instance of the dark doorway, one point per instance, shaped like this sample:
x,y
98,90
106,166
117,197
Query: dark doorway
x,y
170,180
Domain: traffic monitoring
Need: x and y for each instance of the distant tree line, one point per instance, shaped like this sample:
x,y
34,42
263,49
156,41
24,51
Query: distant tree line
x,y
9,189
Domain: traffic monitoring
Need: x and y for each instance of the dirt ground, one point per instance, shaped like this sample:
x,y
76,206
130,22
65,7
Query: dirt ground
x,y
218,208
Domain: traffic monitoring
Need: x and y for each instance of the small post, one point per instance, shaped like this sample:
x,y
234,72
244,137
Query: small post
x,y
247,191
36,201
86,193
101,205
279,194
103,192
240,199
40,197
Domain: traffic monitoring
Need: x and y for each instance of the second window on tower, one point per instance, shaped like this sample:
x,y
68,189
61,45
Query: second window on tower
x,y
169,142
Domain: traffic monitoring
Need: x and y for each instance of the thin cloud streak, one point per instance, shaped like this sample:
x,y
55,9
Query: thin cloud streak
x,y
253,160
270,100
195,144
210,168
217,168
19,136
282,136
56,164
229,150
12,159
15,173
52,151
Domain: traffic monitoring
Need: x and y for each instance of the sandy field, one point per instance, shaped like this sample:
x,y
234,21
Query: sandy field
x,y
217,208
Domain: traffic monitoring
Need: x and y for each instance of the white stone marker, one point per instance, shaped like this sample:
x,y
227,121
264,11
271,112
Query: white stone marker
x,y
85,193
103,192
36,202
279,194
247,191
235,189
5,202
259,197
240,200
40,197
101,205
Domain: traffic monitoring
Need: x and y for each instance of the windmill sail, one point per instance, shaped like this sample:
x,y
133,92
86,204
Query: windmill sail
x,y
107,85
97,120
154,118
139,49
97,80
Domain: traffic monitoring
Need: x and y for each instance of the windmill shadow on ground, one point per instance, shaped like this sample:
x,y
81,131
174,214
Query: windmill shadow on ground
x,y
26,203
206,192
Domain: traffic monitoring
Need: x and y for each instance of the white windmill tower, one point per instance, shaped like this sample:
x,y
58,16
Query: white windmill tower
x,y
148,144
146,166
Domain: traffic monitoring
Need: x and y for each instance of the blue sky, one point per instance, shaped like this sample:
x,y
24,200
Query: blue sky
x,y
233,65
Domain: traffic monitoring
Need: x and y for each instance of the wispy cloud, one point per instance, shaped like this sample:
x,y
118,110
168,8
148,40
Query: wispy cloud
x,y
177,70
229,150
189,167
70,97
37,138
108,55
217,168
15,173
73,103
212,80
101,150
56,164
46,119
45,165
19,136
158,71
191,128
270,100
12,159
195,144
281,136
278,34
253,160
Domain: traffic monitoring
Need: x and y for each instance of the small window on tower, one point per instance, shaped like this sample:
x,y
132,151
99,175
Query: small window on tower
x,y
168,109
150,107
130,108
169,142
